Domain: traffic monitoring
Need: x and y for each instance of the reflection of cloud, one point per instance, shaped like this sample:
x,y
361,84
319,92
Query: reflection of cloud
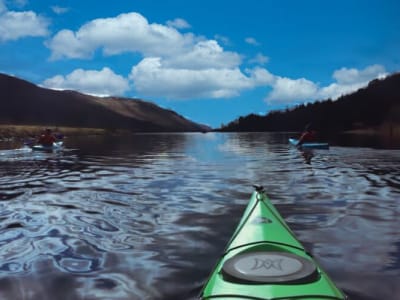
x,y
357,251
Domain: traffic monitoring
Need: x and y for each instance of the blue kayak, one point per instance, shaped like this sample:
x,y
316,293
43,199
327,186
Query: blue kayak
x,y
313,145
55,146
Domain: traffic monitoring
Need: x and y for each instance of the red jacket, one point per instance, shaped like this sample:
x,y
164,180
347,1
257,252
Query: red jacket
x,y
47,139
308,136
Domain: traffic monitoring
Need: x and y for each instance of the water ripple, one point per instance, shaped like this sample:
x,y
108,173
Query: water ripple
x,y
147,217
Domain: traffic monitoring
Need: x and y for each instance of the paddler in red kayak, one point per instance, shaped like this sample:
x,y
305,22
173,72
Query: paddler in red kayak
x,y
307,136
47,138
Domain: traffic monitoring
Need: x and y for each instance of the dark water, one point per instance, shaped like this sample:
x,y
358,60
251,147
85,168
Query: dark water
x,y
147,217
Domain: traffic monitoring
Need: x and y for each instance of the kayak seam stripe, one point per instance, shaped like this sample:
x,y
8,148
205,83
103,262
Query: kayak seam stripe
x,y
269,243
278,218
279,298
239,229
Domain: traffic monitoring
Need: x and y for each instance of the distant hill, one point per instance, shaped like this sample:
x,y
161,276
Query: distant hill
x,y
23,103
375,106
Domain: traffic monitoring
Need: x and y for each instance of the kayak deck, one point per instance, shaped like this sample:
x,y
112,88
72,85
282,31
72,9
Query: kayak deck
x,y
264,260
316,145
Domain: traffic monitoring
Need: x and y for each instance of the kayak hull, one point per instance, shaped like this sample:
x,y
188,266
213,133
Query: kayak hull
x,y
315,145
264,260
55,146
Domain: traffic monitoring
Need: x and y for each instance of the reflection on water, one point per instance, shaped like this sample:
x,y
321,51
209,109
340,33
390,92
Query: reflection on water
x,y
147,217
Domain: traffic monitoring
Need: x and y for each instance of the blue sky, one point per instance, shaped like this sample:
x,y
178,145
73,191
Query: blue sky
x,y
210,61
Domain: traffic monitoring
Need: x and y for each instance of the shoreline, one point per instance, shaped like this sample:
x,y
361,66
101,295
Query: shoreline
x,y
22,132
385,131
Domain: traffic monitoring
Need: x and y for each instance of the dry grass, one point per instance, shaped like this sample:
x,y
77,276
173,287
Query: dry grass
x,y
386,131
8,132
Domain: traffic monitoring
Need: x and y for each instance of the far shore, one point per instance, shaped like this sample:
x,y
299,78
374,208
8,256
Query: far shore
x,y
21,132
386,130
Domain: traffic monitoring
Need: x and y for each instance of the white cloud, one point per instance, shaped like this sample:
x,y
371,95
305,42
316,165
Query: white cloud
x,y
151,78
128,32
178,23
203,55
351,76
175,65
252,41
259,59
99,83
261,76
59,10
286,90
15,25
350,80
66,44
185,66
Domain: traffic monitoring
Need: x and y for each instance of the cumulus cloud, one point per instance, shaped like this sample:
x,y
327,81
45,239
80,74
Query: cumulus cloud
x,y
174,65
286,90
350,80
185,66
100,83
186,83
203,55
16,25
351,76
128,32
261,76
178,23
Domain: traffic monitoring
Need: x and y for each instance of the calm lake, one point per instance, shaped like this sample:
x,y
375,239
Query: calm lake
x,y
147,217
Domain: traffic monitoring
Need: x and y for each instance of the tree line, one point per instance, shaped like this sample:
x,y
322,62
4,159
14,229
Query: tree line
x,y
369,107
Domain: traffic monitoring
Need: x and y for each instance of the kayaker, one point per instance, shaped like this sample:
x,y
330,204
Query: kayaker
x,y
47,138
307,136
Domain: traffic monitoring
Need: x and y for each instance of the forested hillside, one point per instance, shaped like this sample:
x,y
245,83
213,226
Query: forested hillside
x,y
376,105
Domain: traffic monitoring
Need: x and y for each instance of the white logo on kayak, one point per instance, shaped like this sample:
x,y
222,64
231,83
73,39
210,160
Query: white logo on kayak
x,y
267,264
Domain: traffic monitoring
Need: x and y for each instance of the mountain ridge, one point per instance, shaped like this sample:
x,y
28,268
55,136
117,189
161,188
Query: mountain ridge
x,y
24,103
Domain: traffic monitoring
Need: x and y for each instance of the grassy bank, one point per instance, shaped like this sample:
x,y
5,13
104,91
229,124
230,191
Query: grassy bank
x,y
387,130
20,132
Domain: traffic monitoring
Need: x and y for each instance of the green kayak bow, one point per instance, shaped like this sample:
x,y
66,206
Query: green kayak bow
x,y
264,260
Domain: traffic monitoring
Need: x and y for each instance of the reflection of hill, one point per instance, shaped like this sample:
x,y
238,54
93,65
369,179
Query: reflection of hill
x,y
143,146
375,106
23,103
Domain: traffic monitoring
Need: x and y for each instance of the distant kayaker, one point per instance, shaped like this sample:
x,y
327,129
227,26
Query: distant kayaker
x,y
47,138
308,135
